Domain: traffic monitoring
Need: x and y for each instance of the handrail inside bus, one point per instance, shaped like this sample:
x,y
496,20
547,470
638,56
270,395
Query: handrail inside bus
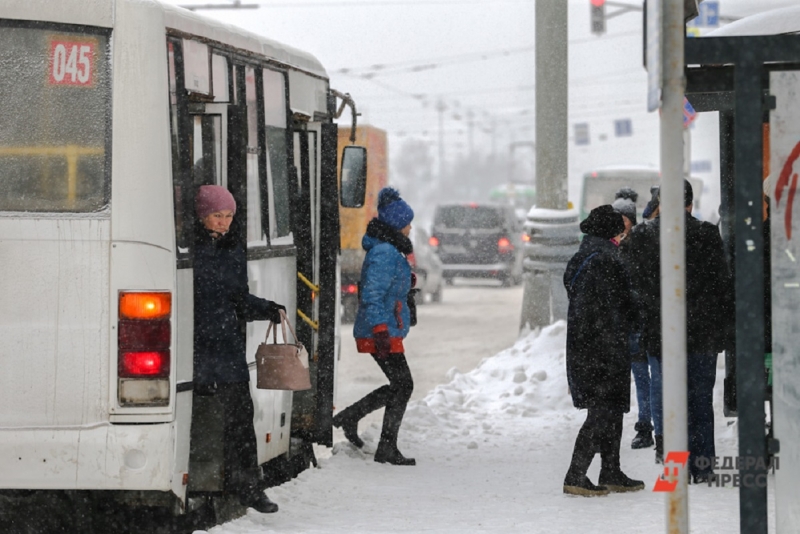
x,y
71,152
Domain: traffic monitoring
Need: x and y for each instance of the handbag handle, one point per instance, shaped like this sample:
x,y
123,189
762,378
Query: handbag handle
x,y
284,323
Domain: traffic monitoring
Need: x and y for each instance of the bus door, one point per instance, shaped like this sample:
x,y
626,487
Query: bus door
x,y
315,158
209,159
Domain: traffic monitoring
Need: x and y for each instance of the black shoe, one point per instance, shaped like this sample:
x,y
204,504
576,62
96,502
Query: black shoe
x,y
642,440
644,436
350,428
659,449
618,482
584,488
392,456
259,502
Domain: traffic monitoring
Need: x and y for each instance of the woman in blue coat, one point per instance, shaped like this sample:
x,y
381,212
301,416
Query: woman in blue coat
x,y
382,322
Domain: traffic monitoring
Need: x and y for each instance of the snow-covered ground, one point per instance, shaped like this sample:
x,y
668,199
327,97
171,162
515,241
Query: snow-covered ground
x,y
492,447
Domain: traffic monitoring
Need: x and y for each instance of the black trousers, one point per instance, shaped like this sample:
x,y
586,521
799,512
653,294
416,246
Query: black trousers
x,y
601,432
243,475
394,396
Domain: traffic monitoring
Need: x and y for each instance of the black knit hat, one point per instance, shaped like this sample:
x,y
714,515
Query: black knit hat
x,y
603,221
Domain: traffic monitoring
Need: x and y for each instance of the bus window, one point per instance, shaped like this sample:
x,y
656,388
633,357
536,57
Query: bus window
x,y
219,77
55,83
275,121
255,229
207,151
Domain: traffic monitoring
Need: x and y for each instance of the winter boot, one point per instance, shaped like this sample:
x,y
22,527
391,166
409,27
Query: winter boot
x,y
644,436
258,501
659,449
350,427
618,482
387,452
387,455
583,486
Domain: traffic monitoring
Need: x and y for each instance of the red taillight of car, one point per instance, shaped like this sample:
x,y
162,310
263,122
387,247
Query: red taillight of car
x,y
433,241
350,289
144,335
526,238
148,364
504,245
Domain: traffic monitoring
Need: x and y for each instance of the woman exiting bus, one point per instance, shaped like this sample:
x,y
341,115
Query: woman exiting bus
x,y
382,322
221,302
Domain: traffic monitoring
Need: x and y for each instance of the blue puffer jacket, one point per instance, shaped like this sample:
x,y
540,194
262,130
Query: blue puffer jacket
x,y
385,283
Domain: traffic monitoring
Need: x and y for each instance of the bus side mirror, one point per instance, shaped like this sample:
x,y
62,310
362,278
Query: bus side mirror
x,y
354,177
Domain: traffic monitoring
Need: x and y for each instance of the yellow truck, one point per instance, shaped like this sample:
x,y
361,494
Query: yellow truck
x,y
353,222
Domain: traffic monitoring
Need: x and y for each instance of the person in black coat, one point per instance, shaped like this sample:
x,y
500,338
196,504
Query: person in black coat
x,y
599,320
710,323
222,304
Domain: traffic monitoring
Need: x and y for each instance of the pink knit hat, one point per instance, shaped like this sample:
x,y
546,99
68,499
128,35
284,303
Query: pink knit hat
x,y
213,198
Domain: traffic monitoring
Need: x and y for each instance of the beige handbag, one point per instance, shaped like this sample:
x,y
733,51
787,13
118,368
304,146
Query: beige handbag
x,y
282,365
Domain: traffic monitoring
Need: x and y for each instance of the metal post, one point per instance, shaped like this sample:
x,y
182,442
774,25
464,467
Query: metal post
x,y
749,295
440,107
673,260
551,104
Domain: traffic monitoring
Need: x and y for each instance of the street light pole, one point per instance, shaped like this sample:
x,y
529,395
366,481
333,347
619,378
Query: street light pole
x,y
673,260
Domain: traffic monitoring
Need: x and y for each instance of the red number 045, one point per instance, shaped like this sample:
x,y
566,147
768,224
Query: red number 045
x,y
71,63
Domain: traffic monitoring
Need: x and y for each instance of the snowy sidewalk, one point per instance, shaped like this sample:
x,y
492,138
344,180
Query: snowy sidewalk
x,y
492,447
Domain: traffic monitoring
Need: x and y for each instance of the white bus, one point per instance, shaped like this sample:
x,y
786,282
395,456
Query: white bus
x,y
600,186
114,112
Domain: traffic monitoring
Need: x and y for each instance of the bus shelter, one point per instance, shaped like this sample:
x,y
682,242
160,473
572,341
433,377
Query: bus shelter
x,y
751,77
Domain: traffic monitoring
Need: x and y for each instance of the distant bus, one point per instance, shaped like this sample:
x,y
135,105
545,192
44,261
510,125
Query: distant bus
x,y
600,186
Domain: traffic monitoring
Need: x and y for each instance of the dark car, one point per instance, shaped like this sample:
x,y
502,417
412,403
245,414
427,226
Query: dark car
x,y
476,240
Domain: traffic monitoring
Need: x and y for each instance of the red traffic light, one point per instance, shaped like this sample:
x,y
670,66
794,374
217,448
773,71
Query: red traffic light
x,y
598,3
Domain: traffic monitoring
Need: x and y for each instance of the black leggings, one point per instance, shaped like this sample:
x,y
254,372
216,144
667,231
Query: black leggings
x,y
601,432
394,396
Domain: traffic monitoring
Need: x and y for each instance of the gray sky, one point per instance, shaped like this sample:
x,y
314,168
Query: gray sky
x,y
480,59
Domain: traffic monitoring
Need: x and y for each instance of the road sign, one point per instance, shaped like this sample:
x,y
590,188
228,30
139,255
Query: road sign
x,y
689,114
708,14
582,133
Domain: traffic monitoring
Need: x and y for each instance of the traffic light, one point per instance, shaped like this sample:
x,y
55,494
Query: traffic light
x,y
598,17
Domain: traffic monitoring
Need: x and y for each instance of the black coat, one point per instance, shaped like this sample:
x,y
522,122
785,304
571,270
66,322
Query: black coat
x,y
600,318
222,306
709,288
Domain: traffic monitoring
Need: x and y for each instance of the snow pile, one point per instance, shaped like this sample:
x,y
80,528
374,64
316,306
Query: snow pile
x,y
527,380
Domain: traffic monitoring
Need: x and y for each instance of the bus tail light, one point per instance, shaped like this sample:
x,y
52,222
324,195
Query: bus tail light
x,y
143,343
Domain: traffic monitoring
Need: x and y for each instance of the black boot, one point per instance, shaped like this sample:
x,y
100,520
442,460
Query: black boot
x,y
350,427
583,486
387,452
618,482
644,436
258,501
387,455
659,449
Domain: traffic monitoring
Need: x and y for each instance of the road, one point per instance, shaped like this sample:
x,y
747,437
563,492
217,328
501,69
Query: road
x,y
473,321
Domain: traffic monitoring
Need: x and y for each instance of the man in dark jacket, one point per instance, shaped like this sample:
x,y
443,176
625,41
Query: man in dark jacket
x,y
709,324
601,311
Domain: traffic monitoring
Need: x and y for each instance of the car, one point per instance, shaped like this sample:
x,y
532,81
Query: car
x,y
425,263
478,240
